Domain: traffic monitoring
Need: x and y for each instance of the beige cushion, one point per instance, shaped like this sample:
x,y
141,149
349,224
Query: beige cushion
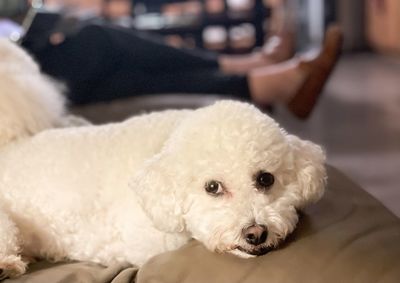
x,y
347,237
74,272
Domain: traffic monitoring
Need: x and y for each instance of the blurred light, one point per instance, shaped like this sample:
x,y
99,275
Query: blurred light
x,y
37,4
15,36
215,34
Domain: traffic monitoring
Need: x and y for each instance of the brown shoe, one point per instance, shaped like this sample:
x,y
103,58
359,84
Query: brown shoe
x,y
319,70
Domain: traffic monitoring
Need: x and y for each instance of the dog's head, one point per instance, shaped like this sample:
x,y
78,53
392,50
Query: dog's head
x,y
232,178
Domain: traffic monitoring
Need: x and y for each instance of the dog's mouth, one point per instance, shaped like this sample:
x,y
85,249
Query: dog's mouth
x,y
257,251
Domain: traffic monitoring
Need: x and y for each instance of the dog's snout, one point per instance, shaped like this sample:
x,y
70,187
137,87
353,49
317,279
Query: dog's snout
x,y
255,234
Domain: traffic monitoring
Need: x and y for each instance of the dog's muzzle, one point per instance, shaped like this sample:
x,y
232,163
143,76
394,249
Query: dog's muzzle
x,y
256,251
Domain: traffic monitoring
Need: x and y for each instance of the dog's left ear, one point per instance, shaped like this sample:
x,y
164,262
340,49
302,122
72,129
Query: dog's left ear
x,y
159,186
309,160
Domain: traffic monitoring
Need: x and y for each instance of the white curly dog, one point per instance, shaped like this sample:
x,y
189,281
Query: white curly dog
x,y
226,175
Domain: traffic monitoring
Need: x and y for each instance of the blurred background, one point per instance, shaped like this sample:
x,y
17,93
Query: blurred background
x,y
228,26
357,119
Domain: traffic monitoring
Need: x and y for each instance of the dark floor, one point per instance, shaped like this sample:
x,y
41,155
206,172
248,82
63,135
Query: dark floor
x,y
358,123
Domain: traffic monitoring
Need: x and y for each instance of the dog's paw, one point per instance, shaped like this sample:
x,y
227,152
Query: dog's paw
x,y
11,267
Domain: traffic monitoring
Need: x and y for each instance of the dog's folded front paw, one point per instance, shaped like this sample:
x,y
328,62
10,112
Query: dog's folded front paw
x,y
11,267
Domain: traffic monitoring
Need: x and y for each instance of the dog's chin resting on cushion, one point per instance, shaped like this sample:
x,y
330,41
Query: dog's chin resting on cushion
x,y
226,175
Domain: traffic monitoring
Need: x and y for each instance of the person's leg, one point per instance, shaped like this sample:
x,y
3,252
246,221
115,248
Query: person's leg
x,y
97,47
124,84
276,50
103,63
276,83
298,82
97,69
97,50
150,52
85,56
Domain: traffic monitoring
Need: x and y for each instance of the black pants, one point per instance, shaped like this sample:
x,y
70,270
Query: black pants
x,y
102,63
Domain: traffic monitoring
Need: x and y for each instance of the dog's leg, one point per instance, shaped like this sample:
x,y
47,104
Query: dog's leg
x,y
11,264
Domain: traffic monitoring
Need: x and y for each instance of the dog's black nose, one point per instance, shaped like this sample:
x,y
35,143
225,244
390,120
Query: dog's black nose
x,y
255,234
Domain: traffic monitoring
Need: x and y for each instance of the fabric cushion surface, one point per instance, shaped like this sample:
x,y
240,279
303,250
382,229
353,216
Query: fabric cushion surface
x,y
74,272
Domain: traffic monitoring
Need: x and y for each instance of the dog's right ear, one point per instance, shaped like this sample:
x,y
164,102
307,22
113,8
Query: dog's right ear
x,y
159,187
309,167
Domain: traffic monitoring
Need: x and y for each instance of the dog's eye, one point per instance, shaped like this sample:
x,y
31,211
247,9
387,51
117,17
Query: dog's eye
x,y
264,180
214,188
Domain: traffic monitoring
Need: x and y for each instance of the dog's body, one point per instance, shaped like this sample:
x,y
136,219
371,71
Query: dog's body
x,y
60,205
226,175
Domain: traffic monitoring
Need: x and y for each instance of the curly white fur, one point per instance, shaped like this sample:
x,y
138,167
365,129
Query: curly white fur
x,y
38,100
131,190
